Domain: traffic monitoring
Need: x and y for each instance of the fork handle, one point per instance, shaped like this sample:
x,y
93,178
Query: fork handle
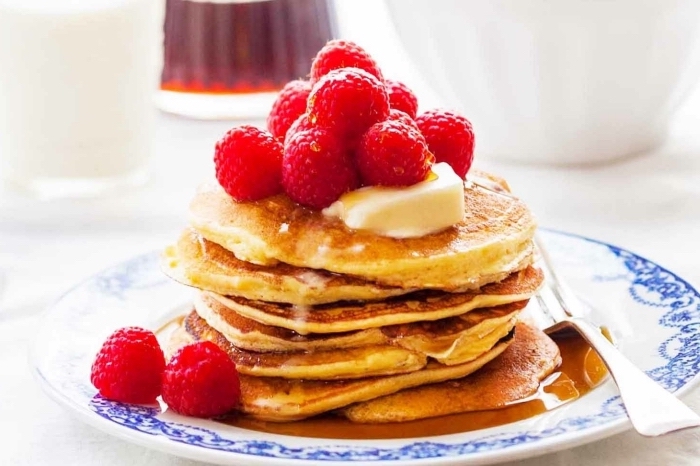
x,y
652,410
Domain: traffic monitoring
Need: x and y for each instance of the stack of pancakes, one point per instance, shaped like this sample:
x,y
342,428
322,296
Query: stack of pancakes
x,y
320,318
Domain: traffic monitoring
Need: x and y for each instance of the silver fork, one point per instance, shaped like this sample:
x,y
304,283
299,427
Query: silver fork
x,y
651,409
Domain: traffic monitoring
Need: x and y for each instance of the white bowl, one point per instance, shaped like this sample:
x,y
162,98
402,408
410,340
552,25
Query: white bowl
x,y
561,81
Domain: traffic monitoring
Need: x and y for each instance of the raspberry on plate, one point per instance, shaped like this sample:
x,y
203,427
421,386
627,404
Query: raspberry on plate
x,y
401,97
289,105
317,168
348,101
342,54
450,137
392,153
300,124
201,380
248,163
129,366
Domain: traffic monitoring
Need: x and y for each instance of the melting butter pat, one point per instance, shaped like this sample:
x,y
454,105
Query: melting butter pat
x,y
407,212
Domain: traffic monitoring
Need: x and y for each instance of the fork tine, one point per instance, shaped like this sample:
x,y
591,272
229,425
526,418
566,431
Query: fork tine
x,y
568,301
550,303
559,299
537,313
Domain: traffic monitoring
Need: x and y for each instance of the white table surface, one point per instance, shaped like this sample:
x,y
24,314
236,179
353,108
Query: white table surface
x,y
649,204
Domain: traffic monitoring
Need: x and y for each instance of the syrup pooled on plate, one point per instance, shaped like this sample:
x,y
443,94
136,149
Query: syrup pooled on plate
x,y
581,370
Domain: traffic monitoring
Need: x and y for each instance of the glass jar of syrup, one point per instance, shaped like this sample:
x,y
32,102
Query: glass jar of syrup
x,y
228,58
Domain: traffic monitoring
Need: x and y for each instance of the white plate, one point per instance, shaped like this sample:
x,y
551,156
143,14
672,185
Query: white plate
x,y
654,314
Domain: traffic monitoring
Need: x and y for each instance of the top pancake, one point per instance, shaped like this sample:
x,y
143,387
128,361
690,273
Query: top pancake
x,y
492,240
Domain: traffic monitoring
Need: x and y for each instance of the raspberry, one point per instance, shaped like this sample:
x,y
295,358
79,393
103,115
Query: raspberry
x,y
342,54
300,124
129,366
317,168
201,380
290,104
401,97
248,163
392,153
349,101
398,115
450,137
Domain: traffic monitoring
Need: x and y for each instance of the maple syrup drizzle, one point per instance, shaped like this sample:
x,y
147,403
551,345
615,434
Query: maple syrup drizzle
x,y
581,370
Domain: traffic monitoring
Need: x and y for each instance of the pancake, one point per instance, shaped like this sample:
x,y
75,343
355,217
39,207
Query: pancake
x,y
197,262
281,400
511,377
493,240
249,334
452,340
346,363
459,339
414,307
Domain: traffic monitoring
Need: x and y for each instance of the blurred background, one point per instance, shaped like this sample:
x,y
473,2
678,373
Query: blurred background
x,y
109,111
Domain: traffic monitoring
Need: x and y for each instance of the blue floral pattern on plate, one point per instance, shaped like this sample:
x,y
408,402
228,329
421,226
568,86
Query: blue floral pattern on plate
x,y
666,315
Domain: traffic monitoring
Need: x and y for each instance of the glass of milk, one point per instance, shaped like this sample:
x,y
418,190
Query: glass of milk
x,y
77,79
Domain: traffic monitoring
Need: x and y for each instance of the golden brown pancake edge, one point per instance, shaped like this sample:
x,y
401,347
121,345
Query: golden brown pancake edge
x,y
513,376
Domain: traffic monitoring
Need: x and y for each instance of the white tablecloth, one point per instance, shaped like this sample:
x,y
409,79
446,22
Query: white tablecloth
x,y
649,204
